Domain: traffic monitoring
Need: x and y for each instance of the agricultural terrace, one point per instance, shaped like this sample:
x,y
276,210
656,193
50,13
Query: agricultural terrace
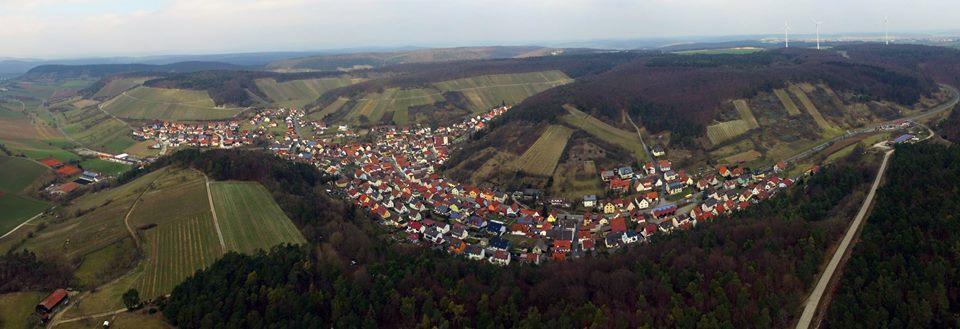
x,y
145,103
744,110
541,158
249,217
176,243
488,91
825,125
117,86
610,134
96,130
297,93
374,106
787,102
330,109
16,174
724,131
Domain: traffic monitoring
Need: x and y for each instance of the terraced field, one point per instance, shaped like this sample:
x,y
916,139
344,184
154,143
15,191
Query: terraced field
x,y
117,86
374,106
145,103
825,125
787,102
297,93
249,217
724,131
488,91
542,157
330,109
628,140
745,114
96,130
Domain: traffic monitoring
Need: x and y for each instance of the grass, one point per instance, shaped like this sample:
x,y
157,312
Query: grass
x,y
330,109
488,91
15,209
626,139
787,102
16,308
812,110
571,183
743,157
91,270
117,86
745,114
104,167
724,131
96,130
541,158
297,93
722,51
249,217
16,174
374,106
145,103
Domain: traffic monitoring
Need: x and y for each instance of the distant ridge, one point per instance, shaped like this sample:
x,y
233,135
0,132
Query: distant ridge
x,y
103,70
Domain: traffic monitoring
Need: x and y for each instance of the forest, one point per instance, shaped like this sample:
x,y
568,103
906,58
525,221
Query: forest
x,y
903,273
748,270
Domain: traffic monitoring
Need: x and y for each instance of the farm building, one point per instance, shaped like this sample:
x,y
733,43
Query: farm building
x,y
53,302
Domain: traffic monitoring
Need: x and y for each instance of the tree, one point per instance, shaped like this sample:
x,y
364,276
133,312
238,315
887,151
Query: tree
x,y
131,299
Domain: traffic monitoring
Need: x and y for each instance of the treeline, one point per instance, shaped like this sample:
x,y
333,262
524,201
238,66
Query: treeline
x,y
230,87
904,272
105,70
748,270
949,128
23,271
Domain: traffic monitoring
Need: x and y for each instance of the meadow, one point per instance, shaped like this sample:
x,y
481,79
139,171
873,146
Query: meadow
x,y
488,91
15,209
297,93
374,106
542,157
787,102
16,308
249,217
96,130
626,139
145,103
16,174
108,168
117,86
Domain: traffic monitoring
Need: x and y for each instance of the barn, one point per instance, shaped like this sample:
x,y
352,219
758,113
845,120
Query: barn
x,y
50,304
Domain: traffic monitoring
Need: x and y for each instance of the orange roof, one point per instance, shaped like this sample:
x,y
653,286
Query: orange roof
x,y
55,298
51,162
68,187
68,170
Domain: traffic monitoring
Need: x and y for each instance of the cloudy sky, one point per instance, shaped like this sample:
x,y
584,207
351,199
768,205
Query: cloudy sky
x,y
65,28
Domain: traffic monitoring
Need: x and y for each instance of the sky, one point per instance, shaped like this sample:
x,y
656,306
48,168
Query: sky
x,y
74,28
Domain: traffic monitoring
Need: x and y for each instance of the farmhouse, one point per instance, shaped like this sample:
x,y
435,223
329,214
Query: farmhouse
x,y
53,303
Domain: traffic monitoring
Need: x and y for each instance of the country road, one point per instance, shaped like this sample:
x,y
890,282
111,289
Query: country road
x,y
813,302
213,211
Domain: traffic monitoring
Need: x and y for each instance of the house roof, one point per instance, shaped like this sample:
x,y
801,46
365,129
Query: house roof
x,y
618,224
53,299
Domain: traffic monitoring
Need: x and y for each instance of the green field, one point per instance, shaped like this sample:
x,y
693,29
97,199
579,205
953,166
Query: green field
x,y
16,308
488,91
724,131
374,106
15,209
787,102
117,86
541,158
610,134
96,130
297,93
104,167
745,113
328,110
16,174
145,103
249,217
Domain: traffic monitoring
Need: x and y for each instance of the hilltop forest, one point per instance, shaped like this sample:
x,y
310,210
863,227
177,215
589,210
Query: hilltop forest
x,y
748,270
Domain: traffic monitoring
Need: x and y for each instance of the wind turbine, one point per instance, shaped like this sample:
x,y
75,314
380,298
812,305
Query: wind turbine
x,y
886,32
818,32
786,34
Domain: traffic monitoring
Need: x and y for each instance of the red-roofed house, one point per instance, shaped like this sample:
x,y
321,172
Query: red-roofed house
x,y
618,225
50,304
68,170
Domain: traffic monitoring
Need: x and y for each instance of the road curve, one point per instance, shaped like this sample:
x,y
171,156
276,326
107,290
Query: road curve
x,y
810,307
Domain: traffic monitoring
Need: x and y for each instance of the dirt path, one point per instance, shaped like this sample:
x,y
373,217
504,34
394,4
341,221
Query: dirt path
x,y
213,211
126,218
92,316
22,224
813,302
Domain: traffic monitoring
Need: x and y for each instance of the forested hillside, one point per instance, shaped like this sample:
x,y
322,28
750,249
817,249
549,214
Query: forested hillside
x,y
750,270
903,272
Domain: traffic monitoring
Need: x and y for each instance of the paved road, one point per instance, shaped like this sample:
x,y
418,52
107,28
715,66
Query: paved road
x,y
810,307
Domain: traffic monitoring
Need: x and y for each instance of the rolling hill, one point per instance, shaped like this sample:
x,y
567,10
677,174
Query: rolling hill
x,y
339,62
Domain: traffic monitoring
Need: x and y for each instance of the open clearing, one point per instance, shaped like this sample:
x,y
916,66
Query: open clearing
x,y
117,86
16,308
145,103
488,91
743,157
16,174
297,93
811,109
626,139
787,102
541,158
250,219
745,114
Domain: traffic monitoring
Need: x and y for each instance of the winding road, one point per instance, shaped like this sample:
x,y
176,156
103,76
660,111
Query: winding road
x,y
813,302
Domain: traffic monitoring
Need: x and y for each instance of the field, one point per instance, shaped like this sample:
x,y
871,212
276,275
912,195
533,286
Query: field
x,y
787,102
723,51
724,131
16,174
745,114
104,167
14,209
249,217
626,139
374,106
145,103
330,109
811,109
15,308
297,93
117,86
488,91
574,180
743,157
96,130
541,158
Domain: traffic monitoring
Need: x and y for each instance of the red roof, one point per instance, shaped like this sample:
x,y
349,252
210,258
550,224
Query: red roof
x,y
68,170
618,225
68,187
51,162
54,299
